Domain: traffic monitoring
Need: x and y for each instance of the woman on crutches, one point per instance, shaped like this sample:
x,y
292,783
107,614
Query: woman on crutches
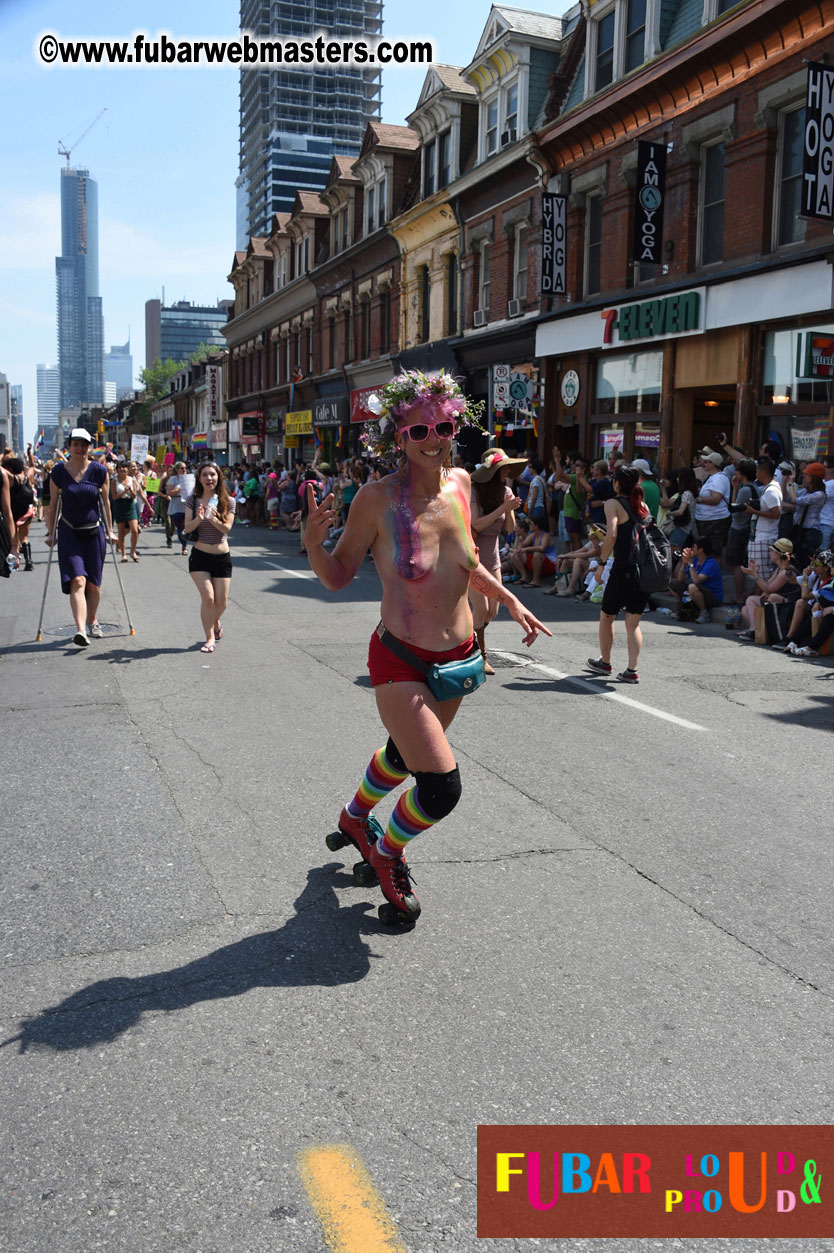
x,y
82,486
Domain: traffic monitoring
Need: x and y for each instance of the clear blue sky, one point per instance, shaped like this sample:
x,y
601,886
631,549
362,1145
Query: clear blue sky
x,y
164,156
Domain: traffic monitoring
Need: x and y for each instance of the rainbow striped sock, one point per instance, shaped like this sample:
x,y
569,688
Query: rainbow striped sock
x,y
405,822
380,779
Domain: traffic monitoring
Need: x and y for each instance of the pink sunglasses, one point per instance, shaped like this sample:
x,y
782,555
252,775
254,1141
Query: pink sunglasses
x,y
419,432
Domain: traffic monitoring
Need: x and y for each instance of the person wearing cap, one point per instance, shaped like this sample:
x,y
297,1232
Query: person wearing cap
x,y
817,595
701,579
492,504
780,585
766,515
82,487
810,500
712,505
651,491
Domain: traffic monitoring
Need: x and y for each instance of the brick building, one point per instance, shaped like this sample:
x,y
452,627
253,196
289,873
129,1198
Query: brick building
x,y
713,337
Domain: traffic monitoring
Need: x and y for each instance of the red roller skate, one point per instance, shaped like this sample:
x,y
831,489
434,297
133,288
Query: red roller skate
x,y
403,908
363,834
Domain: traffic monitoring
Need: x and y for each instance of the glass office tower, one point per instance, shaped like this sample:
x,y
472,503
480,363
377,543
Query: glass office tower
x,y
292,122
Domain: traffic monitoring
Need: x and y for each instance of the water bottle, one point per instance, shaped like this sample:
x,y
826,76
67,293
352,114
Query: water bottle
x,y
665,611
211,507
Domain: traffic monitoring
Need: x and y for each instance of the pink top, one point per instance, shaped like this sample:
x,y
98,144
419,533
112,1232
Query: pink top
x,y
207,532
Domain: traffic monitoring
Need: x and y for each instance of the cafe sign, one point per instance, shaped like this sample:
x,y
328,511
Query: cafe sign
x,y
667,317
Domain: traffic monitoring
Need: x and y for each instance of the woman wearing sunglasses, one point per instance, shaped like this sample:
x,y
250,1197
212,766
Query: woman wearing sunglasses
x,y
417,525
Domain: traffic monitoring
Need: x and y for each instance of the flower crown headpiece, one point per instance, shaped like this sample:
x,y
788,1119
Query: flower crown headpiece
x,y
394,401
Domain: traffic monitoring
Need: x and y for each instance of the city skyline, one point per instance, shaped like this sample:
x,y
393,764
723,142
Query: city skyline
x,y
164,155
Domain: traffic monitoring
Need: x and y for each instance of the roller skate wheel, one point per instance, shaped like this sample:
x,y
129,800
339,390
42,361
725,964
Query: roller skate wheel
x,y
393,917
364,876
336,840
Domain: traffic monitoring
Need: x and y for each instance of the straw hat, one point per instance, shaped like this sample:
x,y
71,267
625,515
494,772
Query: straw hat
x,y
496,459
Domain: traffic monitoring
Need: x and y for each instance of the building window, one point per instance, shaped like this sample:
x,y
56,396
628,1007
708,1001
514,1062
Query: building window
x,y
364,330
724,6
331,346
381,204
491,126
429,153
348,335
604,61
444,159
593,245
635,35
711,225
452,294
310,348
511,109
371,211
287,359
385,321
520,264
340,229
483,278
425,305
296,349
789,227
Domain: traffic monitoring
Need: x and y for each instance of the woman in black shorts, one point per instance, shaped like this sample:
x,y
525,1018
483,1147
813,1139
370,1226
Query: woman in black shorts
x,y
622,591
210,511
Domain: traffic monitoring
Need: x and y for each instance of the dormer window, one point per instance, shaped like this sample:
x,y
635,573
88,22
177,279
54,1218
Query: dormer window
x,y
491,126
381,206
302,255
371,211
604,60
429,155
511,109
340,229
635,37
444,159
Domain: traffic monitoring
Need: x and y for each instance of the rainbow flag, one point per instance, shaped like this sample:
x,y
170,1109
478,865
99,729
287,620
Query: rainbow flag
x,y
340,442
98,451
199,439
316,437
39,440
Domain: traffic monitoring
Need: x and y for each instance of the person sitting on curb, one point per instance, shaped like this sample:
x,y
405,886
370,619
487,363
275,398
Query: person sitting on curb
x,y
575,566
537,553
516,541
702,578
817,594
781,585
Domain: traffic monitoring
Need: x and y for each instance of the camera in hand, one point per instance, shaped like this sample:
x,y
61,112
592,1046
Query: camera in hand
x,y
736,508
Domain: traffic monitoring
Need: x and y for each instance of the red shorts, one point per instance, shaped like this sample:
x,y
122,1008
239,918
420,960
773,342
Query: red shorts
x,y
547,565
385,667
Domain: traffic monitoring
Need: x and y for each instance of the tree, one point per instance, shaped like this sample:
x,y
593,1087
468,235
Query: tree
x,y
155,380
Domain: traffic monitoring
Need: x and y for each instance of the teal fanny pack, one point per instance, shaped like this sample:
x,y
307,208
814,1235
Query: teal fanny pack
x,y
448,680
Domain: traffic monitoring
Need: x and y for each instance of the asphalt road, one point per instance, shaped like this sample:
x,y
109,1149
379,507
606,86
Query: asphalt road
x,y
627,919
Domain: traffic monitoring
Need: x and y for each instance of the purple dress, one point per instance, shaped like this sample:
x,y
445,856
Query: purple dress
x,y
80,554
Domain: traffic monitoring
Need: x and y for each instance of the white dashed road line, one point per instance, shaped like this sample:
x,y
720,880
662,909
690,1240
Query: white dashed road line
x,y
588,686
295,574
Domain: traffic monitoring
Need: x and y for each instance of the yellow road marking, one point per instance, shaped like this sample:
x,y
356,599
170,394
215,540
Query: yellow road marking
x,y
347,1204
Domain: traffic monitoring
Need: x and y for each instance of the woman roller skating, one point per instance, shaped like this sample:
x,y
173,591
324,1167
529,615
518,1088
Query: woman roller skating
x,y
416,523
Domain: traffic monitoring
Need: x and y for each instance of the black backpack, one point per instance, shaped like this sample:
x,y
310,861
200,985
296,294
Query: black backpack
x,y
651,551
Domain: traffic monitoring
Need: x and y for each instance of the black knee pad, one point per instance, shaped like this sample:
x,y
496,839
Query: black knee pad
x,y
437,794
394,758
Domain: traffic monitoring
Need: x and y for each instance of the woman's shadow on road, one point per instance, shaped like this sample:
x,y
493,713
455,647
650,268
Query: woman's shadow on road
x,y
321,945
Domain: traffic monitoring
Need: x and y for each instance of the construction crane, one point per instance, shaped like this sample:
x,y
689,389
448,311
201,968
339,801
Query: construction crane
x,y
63,151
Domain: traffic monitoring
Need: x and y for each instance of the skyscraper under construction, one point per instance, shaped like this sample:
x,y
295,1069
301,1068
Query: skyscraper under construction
x,y
292,122
80,317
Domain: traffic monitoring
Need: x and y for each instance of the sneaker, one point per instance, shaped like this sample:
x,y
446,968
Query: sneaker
x,y
783,648
94,630
805,652
746,635
512,578
601,667
704,618
80,639
628,676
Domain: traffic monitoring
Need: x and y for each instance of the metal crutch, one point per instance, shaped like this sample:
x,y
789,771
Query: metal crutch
x,y
39,637
119,578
